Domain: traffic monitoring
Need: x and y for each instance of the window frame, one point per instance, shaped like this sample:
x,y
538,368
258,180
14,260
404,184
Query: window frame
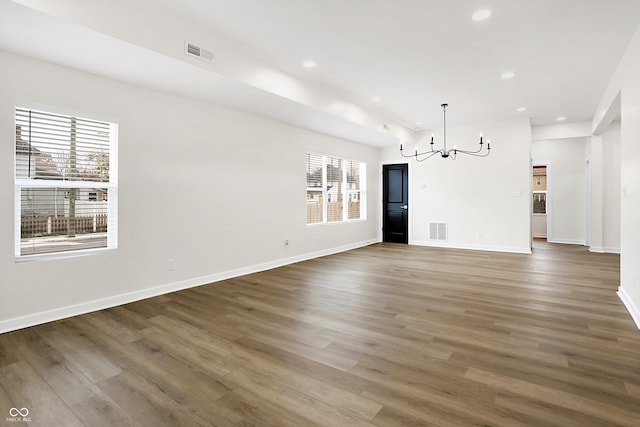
x,y
345,192
109,187
533,201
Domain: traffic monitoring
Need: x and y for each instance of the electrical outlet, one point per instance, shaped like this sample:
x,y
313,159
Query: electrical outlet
x,y
171,263
480,234
286,243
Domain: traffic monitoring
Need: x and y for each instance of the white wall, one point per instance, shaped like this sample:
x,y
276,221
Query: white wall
x,y
214,189
605,163
539,226
626,82
596,195
561,130
611,189
565,159
484,201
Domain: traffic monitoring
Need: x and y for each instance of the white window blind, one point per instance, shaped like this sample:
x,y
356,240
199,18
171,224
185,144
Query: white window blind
x,y
335,199
315,178
335,189
65,184
354,190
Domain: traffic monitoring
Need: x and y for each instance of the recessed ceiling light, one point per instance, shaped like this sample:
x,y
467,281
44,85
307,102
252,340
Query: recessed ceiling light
x,y
375,99
507,75
521,109
309,63
561,119
481,15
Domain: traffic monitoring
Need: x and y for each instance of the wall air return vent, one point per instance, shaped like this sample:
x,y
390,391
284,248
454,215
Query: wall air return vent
x,y
438,230
192,49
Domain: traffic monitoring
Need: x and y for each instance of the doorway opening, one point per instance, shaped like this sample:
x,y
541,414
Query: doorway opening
x,y
540,201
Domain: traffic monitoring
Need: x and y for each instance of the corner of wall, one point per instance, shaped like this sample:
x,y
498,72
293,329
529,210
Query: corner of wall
x,y
630,305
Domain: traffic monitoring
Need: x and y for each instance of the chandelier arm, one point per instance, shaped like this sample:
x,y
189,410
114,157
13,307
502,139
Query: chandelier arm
x,y
468,152
414,154
476,153
430,154
472,152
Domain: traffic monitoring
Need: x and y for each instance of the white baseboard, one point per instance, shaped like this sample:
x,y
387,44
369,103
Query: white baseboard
x,y
601,250
437,244
630,306
103,303
566,241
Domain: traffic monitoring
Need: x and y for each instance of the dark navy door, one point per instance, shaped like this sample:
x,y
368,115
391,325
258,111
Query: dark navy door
x,y
395,199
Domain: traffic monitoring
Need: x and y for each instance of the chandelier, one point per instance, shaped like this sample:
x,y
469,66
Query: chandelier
x,y
444,152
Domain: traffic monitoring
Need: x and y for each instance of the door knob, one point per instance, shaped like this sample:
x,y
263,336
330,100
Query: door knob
x,y
405,207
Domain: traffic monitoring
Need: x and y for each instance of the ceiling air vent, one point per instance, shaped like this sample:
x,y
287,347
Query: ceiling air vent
x,y
195,50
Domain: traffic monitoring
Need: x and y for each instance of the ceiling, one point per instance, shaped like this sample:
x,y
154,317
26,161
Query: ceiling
x,y
412,55
416,54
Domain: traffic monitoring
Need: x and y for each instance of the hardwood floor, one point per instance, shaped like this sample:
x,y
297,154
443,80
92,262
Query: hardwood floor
x,y
385,335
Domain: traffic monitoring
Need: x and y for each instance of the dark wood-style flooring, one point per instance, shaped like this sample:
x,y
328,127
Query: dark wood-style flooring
x,y
386,335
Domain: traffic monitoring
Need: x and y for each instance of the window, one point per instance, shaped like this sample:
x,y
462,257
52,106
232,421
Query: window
x,y
335,189
539,189
539,202
65,184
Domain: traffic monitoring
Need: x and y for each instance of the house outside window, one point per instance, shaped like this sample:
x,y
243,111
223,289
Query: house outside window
x,y
65,184
539,178
335,189
539,189
539,202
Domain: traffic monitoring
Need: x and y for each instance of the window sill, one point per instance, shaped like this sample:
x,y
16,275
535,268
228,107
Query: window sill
x,y
24,259
351,221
